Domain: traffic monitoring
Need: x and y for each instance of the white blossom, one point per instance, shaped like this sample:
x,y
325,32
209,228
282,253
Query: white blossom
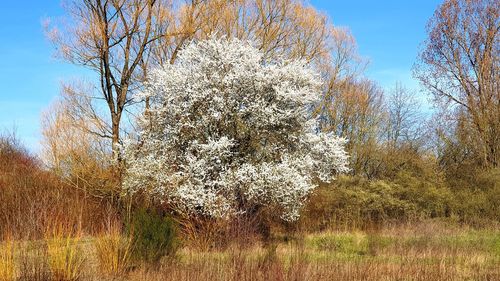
x,y
228,131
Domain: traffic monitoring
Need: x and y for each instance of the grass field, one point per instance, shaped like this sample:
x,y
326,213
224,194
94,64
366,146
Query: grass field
x,y
426,251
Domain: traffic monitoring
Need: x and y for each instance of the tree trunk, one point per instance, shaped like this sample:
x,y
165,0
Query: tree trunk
x,y
116,137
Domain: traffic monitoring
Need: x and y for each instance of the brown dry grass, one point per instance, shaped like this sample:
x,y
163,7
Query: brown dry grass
x,y
424,252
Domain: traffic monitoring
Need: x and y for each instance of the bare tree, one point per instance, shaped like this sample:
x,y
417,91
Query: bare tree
x,y
460,66
404,120
277,27
353,108
112,38
69,150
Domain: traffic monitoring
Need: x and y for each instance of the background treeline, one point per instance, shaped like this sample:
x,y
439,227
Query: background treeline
x,y
407,164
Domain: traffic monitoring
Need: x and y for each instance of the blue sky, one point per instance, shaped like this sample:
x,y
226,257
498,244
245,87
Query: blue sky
x,y
388,33
29,73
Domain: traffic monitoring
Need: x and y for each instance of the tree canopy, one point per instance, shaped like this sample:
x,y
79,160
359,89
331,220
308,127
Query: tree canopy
x,y
229,131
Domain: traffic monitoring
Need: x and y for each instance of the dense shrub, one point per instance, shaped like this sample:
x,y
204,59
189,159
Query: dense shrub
x,y
32,198
477,201
354,202
431,197
154,236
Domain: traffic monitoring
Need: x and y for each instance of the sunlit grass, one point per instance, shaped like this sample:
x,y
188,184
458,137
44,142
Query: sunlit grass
x,y
65,256
113,252
7,260
389,254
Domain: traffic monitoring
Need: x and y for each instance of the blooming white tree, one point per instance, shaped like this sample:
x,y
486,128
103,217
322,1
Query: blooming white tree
x,y
228,132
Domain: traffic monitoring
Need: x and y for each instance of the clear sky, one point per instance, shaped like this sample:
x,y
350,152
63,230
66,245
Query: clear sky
x,y
388,33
